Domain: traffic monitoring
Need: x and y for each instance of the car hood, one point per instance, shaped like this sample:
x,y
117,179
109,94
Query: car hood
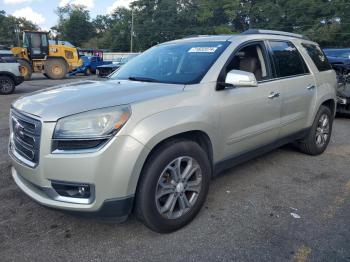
x,y
56,102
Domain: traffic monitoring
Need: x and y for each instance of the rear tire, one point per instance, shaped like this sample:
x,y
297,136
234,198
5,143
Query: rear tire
x,y
7,85
27,69
55,68
184,195
317,140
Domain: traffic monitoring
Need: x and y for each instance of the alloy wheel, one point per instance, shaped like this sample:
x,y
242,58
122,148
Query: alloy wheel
x,y
5,85
178,187
322,130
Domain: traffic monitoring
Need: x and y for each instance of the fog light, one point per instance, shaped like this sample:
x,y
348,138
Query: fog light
x,y
72,190
83,190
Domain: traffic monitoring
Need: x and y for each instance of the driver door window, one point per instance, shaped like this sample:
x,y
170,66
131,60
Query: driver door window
x,y
251,59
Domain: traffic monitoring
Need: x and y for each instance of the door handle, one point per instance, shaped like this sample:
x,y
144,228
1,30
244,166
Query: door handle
x,y
274,95
310,87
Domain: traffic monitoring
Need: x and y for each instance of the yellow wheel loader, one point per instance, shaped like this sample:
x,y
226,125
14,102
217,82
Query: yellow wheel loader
x,y
39,56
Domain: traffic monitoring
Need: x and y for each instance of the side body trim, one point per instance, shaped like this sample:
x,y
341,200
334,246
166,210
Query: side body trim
x,y
238,159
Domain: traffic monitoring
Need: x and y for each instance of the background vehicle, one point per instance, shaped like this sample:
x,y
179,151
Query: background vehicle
x,y
106,70
84,68
339,57
97,61
96,58
10,73
38,56
343,90
6,55
151,138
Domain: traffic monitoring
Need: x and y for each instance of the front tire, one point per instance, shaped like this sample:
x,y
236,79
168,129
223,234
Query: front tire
x,y
7,85
317,140
173,186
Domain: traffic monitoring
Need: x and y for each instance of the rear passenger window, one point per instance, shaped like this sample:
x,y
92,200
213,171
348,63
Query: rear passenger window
x,y
318,57
287,60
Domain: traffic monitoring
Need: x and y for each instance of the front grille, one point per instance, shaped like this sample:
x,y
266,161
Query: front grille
x,y
25,137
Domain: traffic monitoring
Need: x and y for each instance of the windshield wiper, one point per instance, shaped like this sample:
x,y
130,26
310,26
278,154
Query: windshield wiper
x,y
142,79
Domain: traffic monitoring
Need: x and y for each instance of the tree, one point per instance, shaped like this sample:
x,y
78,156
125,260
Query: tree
x,y
74,24
11,29
157,21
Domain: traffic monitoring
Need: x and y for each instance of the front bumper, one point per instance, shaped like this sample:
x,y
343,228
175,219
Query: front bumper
x,y
110,208
113,172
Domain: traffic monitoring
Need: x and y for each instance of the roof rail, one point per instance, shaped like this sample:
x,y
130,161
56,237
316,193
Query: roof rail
x,y
192,36
273,32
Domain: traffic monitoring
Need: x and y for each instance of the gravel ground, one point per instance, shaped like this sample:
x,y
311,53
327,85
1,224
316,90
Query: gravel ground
x,y
283,206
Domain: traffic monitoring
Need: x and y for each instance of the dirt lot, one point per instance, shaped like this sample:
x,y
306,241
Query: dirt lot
x,y
283,206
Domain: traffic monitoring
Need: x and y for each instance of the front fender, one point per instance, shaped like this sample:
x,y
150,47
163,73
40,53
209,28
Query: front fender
x,y
160,126
157,127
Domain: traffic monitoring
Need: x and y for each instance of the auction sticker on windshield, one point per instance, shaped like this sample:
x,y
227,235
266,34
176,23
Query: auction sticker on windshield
x,y
202,50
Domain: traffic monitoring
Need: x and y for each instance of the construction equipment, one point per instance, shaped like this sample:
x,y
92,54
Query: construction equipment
x,y
39,56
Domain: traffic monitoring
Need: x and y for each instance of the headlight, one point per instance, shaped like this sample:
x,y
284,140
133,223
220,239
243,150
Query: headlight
x,y
95,124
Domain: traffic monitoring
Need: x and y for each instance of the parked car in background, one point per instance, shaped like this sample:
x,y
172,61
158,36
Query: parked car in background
x,y
10,73
150,138
6,55
343,93
84,68
97,61
95,57
339,57
106,70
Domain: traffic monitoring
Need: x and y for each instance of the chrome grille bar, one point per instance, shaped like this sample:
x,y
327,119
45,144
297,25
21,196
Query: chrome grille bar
x,y
25,138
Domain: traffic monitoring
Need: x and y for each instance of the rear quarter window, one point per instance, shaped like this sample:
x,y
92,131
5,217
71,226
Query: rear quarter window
x,y
286,59
317,56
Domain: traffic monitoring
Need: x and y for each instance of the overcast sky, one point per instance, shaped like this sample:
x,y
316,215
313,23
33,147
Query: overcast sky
x,y
41,12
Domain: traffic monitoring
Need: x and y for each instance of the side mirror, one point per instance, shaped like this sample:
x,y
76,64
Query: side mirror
x,y
238,78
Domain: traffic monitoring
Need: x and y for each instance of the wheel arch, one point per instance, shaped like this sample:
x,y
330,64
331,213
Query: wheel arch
x,y
331,104
198,136
328,101
8,74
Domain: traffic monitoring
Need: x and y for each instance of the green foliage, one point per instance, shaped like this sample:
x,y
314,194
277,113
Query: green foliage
x,y
74,24
157,21
11,29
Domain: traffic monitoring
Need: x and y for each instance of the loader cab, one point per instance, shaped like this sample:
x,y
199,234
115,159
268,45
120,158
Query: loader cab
x,y
37,44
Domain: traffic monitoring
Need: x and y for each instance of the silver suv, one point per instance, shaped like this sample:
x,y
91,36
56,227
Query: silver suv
x,y
10,72
150,139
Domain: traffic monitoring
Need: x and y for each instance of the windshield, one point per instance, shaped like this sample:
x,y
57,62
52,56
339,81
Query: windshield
x,y
126,59
184,63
